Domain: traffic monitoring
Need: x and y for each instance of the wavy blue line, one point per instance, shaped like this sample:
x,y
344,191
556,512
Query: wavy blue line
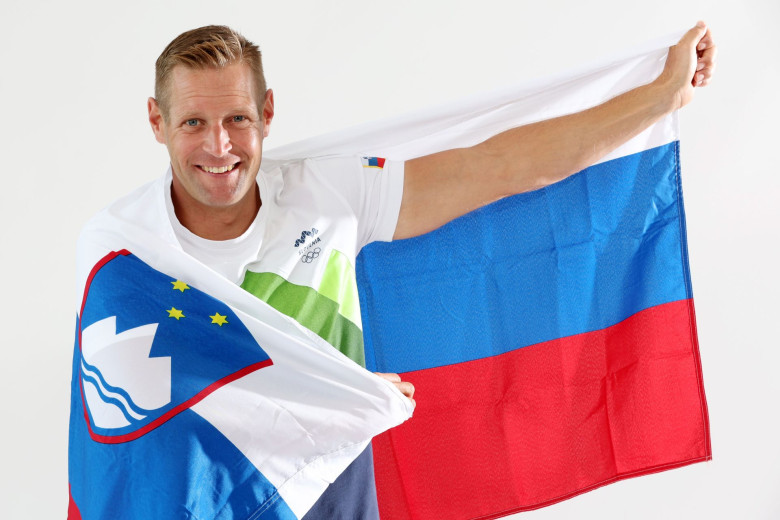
x,y
113,400
133,406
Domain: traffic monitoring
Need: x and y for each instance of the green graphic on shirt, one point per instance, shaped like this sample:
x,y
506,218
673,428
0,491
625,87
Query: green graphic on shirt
x,y
321,312
339,284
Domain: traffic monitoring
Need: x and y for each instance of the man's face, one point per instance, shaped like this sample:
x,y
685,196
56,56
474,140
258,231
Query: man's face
x,y
214,132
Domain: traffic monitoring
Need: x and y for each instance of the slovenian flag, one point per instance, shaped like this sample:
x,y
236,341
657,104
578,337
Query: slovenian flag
x,y
550,336
558,357
373,162
190,397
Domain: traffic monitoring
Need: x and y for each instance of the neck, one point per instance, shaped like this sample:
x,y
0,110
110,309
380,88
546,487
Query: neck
x,y
213,223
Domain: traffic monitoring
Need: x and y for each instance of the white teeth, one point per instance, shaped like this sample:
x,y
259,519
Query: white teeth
x,y
221,169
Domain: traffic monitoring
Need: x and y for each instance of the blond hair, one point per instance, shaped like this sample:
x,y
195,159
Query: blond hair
x,y
212,46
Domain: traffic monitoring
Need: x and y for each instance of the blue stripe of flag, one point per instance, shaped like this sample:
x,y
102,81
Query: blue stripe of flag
x,y
577,256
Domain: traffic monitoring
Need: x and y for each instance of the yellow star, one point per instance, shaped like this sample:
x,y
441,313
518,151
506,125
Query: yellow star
x,y
180,286
173,312
218,319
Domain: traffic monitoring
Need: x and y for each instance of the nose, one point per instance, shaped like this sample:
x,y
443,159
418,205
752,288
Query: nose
x,y
217,141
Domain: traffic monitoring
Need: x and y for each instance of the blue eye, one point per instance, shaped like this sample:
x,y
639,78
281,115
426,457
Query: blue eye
x,y
238,119
191,122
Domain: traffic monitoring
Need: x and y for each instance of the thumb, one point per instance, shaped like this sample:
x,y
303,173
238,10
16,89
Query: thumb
x,y
696,33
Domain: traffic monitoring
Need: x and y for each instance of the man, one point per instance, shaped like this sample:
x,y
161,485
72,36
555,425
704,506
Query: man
x,y
290,236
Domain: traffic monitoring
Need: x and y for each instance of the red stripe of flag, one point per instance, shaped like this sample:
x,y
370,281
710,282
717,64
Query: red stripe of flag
x,y
544,423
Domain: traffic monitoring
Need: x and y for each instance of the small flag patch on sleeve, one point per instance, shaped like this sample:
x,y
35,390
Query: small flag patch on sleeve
x,y
373,162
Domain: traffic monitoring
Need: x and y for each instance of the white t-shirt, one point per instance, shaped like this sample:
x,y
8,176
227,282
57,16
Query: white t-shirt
x,y
315,217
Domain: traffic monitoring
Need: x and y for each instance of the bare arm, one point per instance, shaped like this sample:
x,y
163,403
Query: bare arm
x,y
443,186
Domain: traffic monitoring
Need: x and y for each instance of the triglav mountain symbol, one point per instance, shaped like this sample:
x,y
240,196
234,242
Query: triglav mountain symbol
x,y
122,384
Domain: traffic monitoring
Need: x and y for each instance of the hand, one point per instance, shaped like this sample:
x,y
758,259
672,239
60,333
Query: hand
x,y
405,387
690,64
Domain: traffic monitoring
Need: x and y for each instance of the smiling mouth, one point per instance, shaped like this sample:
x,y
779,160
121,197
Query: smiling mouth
x,y
218,169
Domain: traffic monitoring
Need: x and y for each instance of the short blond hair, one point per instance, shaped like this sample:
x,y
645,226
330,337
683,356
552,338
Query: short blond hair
x,y
211,46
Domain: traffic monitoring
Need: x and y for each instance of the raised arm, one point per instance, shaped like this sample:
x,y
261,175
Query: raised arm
x,y
446,185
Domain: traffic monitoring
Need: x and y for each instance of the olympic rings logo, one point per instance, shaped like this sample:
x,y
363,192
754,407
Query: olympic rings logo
x,y
311,255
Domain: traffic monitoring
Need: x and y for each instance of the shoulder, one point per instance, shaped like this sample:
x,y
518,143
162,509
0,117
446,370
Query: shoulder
x,y
321,165
314,175
145,205
331,165
141,209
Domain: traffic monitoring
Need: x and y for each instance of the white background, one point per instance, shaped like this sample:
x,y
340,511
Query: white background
x,y
73,136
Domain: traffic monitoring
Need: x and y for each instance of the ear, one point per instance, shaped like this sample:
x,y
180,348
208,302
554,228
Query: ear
x,y
156,120
268,112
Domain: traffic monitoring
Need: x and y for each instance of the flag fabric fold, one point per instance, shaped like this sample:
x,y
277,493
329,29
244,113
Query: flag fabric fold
x,y
191,398
550,336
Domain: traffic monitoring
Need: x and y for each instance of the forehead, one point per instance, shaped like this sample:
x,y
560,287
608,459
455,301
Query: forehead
x,y
212,89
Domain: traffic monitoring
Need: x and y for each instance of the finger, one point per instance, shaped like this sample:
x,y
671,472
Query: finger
x,y
706,65
703,75
393,378
707,71
694,35
702,79
406,388
709,56
705,41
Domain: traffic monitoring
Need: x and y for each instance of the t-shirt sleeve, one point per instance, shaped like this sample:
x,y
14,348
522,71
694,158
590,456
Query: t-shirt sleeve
x,y
372,187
